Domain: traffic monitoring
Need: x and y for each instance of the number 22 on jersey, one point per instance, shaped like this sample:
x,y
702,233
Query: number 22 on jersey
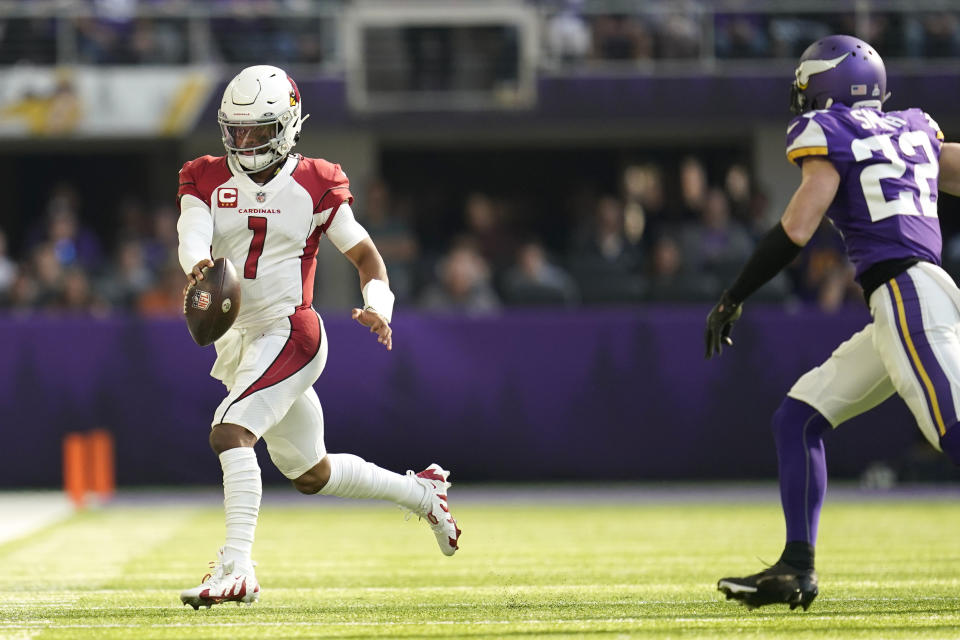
x,y
909,142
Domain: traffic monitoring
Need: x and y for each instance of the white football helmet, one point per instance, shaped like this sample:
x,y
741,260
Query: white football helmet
x,y
260,117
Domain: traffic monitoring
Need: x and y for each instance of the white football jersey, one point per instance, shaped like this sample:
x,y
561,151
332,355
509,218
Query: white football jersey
x,y
270,232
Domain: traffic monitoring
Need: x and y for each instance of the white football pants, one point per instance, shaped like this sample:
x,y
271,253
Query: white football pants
x,y
912,347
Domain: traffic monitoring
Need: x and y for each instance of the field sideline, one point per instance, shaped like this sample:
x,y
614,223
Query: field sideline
x,y
560,563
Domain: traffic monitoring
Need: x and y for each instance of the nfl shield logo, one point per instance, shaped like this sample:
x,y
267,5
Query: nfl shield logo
x,y
261,196
202,300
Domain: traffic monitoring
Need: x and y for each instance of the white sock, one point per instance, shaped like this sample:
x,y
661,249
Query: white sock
x,y
241,500
354,477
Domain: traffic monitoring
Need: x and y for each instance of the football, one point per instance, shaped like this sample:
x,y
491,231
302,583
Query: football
x,y
211,305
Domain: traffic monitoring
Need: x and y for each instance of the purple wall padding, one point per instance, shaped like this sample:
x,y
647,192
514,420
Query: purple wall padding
x,y
613,394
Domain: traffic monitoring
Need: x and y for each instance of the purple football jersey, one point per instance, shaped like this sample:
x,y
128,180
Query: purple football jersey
x,y
886,204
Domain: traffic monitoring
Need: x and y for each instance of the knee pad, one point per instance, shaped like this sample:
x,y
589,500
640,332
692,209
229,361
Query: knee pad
x,y
950,443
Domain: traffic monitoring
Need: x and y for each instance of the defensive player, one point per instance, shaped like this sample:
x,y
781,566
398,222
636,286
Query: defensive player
x,y
266,208
874,174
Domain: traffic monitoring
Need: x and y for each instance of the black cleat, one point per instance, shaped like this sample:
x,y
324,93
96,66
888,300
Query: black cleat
x,y
779,584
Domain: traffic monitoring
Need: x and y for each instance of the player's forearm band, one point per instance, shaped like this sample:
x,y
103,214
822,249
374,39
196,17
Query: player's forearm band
x,y
378,297
775,251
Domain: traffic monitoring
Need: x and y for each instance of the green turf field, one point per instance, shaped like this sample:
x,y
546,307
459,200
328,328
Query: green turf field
x,y
888,569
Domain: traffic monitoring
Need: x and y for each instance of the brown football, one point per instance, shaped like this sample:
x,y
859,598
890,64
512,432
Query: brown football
x,y
212,304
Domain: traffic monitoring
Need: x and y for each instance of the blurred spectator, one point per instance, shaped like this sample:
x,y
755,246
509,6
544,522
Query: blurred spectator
x,y
693,187
716,245
162,242
880,31
484,222
98,42
8,269
792,34
749,205
605,243
634,222
426,57
158,41
76,295
678,32
248,33
47,271
463,283
647,214
23,294
933,35
104,38
737,187
760,217
621,37
164,298
393,236
115,34
311,41
72,242
815,269
741,35
128,277
534,280
669,281
839,288
605,263
568,35
133,221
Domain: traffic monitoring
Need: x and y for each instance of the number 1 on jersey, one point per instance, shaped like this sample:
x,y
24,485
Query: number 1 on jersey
x,y
259,228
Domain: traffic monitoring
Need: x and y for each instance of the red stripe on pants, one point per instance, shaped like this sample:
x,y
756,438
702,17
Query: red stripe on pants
x,y
301,347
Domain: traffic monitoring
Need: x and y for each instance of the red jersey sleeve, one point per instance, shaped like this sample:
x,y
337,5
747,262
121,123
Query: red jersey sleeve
x,y
198,178
326,182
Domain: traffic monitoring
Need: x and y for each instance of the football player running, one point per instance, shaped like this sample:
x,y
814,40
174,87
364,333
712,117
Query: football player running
x,y
266,208
875,175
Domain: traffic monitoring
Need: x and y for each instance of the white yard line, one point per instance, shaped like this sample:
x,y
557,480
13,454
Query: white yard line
x,y
23,512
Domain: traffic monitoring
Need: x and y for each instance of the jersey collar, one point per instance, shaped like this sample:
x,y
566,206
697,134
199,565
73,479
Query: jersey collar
x,y
263,192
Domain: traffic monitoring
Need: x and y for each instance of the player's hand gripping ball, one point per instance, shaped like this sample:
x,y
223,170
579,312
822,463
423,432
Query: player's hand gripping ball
x,y
212,302
720,323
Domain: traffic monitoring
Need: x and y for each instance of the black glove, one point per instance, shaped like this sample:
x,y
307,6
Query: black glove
x,y
720,324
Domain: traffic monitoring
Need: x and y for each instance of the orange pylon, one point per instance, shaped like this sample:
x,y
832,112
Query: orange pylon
x,y
88,466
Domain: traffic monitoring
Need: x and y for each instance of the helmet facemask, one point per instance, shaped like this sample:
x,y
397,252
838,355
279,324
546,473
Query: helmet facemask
x,y
798,101
253,145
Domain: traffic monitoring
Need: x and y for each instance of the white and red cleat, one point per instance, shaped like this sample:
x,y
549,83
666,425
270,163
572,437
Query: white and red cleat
x,y
434,508
227,583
